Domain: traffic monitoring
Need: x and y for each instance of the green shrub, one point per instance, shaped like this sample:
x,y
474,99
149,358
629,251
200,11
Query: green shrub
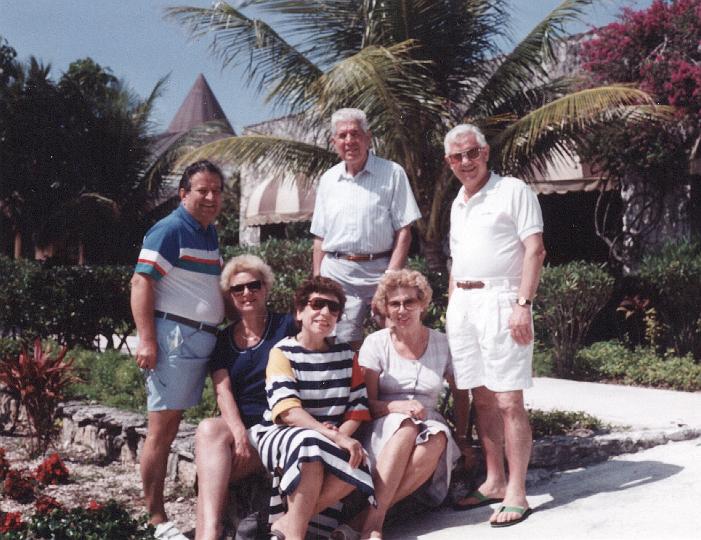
x,y
674,274
72,304
569,296
435,315
548,423
207,406
95,522
291,261
611,360
542,360
110,378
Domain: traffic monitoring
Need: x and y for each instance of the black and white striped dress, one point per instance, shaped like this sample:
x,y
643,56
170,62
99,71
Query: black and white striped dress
x,y
329,386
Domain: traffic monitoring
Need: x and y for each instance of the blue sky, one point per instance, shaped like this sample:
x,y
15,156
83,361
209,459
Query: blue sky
x,y
138,44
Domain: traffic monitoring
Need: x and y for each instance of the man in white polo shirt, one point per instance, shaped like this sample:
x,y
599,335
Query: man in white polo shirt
x,y
362,220
496,243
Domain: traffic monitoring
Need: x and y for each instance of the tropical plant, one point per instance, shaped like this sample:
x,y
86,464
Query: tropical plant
x,y
416,68
655,49
38,381
73,158
569,296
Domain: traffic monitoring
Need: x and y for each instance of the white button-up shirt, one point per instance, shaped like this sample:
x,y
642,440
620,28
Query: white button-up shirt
x,y
361,213
487,230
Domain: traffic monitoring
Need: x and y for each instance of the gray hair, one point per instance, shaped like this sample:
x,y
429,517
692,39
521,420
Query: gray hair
x,y
350,115
460,132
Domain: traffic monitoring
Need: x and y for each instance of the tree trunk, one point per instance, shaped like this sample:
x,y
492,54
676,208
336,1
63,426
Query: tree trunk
x,y
18,245
652,218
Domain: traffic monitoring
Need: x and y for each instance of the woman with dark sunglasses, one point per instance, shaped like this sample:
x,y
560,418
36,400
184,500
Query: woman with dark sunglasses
x,y
223,453
317,400
405,365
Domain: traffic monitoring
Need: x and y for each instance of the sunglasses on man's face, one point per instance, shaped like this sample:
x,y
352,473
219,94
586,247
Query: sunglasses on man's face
x,y
317,304
237,290
472,153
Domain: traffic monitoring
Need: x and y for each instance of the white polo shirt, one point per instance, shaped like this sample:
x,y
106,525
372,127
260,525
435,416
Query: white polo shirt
x,y
487,231
361,213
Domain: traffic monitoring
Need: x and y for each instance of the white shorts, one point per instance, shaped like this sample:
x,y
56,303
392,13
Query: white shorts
x,y
483,351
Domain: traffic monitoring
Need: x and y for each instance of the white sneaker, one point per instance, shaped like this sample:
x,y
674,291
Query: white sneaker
x,y
168,531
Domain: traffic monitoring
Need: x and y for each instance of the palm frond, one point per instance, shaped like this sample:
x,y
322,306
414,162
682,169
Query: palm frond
x,y
270,62
527,62
276,155
393,89
561,124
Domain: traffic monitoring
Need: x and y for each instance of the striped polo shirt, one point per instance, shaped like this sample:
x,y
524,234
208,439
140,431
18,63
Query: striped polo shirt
x,y
183,259
361,213
328,385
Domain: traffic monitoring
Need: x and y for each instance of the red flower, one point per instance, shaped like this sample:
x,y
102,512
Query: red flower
x,y
93,505
52,471
19,485
11,521
46,504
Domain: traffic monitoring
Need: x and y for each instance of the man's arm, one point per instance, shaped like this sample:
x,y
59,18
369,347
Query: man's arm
x,y
142,301
317,255
402,242
520,320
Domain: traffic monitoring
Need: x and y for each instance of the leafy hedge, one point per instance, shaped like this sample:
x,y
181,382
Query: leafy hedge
x,y
569,296
612,360
673,275
72,304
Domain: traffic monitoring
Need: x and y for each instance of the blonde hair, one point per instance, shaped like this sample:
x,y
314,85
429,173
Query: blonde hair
x,y
401,278
246,263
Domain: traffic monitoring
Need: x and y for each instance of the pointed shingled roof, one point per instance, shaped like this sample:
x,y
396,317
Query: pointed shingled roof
x,y
200,106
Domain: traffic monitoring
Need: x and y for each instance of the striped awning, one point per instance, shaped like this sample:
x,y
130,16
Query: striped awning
x,y
566,174
279,201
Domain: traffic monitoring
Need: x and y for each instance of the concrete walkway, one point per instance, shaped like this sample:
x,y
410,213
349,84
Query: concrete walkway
x,y
653,494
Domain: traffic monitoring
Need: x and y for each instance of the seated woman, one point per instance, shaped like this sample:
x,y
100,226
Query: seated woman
x,y
317,400
222,450
405,365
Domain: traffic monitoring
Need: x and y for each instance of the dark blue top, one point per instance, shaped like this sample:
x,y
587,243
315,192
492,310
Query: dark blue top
x,y
247,367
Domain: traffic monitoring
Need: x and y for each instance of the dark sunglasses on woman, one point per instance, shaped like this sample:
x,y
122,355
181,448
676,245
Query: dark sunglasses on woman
x,y
251,286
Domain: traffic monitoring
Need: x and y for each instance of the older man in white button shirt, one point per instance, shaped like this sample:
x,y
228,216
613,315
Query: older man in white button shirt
x,y
496,243
362,218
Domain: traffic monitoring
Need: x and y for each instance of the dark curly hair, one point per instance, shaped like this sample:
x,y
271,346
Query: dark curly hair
x,y
320,285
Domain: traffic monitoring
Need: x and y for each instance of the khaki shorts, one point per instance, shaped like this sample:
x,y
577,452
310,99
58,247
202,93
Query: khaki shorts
x,y
483,351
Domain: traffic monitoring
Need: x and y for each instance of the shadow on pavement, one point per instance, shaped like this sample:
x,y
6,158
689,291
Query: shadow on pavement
x,y
564,488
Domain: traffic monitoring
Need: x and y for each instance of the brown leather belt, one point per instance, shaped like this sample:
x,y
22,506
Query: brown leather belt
x,y
360,256
187,322
470,284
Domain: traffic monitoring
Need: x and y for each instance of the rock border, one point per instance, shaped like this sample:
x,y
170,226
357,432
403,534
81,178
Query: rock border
x,y
112,434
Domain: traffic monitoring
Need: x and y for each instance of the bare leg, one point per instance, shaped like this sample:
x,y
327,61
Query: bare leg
x,y
391,468
490,429
301,504
162,429
518,437
422,464
215,470
332,490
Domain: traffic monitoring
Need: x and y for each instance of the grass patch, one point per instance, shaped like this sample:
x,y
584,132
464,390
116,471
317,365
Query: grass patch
x,y
549,423
612,361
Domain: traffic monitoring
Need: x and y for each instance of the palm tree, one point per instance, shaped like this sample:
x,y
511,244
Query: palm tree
x,y
417,67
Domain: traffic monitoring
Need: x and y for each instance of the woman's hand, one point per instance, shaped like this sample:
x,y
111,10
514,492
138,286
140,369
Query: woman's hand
x,y
412,408
357,454
242,448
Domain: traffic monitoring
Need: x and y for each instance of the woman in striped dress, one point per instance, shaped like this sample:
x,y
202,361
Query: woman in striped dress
x,y
316,400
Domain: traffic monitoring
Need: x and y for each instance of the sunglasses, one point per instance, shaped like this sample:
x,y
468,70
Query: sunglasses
x,y
251,286
409,304
472,153
317,304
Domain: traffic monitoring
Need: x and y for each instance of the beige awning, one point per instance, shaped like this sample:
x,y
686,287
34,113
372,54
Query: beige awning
x,y
564,175
281,201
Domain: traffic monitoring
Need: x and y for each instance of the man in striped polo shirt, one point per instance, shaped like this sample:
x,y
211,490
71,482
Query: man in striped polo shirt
x,y
362,220
176,304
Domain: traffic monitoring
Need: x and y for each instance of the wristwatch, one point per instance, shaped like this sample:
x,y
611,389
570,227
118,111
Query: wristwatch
x,y
523,301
